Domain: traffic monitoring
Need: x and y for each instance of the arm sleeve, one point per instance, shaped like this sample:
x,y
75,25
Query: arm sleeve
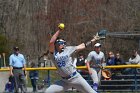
x,y
10,61
24,62
103,61
103,58
89,58
135,60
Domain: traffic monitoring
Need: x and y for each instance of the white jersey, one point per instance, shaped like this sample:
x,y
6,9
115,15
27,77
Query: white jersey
x,y
64,62
95,58
135,60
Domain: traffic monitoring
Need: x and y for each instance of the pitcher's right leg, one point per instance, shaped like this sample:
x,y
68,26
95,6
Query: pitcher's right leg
x,y
58,87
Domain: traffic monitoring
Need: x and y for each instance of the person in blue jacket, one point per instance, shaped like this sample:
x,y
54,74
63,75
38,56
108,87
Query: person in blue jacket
x,y
9,86
110,59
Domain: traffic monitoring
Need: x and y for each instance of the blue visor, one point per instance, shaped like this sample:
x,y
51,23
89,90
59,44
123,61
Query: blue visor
x,y
61,43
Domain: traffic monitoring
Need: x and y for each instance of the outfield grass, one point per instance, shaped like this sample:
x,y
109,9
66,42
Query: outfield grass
x,y
44,74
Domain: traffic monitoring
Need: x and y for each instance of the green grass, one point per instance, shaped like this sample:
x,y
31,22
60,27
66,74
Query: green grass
x,y
43,74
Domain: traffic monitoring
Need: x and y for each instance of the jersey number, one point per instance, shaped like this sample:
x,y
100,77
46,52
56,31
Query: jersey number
x,y
61,64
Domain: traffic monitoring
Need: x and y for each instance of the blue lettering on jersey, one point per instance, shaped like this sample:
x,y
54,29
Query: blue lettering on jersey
x,y
61,61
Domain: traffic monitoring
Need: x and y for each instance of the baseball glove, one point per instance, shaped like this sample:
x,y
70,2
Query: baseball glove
x,y
106,73
102,34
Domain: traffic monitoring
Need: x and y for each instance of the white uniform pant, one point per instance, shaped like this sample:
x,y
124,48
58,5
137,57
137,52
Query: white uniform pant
x,y
96,75
77,82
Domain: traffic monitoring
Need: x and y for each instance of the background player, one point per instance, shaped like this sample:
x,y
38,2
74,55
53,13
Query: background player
x,y
94,62
64,64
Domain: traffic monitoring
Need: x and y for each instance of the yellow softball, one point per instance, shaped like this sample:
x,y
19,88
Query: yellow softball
x,y
61,26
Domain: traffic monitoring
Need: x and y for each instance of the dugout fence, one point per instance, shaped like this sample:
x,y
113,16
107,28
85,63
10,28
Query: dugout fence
x,y
119,83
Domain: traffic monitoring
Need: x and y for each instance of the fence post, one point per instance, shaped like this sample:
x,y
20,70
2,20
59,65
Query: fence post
x,y
49,79
4,63
135,73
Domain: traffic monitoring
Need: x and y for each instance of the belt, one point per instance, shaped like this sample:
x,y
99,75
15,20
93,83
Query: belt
x,y
17,67
70,76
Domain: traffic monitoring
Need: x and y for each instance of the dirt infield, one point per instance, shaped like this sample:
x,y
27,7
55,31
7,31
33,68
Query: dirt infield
x,y
3,79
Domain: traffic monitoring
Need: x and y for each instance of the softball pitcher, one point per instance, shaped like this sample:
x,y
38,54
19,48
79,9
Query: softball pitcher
x,y
94,62
64,63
